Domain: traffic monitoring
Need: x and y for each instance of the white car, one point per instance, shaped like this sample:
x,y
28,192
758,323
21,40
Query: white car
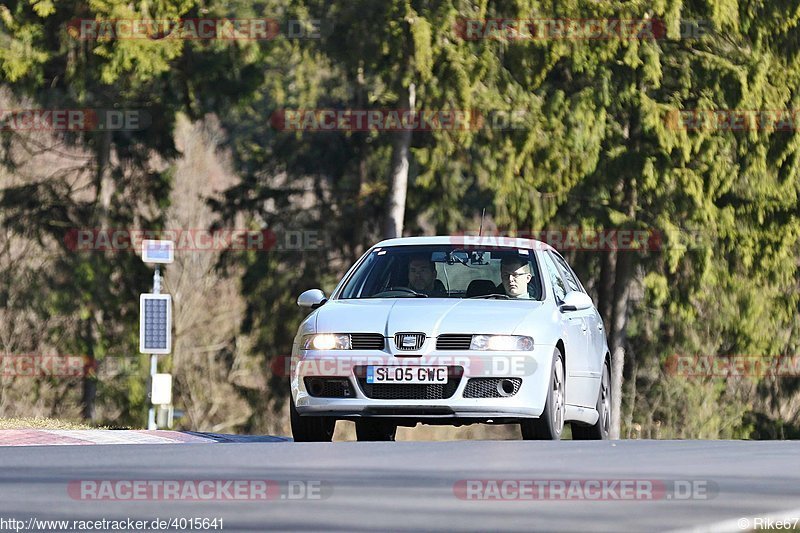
x,y
445,330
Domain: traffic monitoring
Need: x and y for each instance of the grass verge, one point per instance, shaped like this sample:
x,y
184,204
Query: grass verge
x,y
42,423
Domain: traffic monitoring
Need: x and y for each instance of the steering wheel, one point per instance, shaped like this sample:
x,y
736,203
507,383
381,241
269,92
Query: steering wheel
x,y
404,290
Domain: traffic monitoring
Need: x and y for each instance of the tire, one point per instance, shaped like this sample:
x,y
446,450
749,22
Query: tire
x,y
602,428
310,428
375,430
550,424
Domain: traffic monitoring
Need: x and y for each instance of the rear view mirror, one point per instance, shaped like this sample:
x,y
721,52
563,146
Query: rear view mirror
x,y
576,301
312,298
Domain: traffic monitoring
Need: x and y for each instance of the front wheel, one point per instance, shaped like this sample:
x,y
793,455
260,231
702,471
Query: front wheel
x,y
375,430
602,428
310,428
551,423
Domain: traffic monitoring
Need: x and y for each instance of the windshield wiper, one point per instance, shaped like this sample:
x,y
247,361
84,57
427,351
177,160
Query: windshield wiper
x,y
491,296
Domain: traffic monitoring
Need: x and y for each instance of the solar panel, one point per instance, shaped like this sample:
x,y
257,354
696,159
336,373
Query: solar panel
x,y
155,323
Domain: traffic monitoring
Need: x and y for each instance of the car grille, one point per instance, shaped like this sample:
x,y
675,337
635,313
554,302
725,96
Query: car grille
x,y
487,387
453,342
367,341
418,338
329,387
400,391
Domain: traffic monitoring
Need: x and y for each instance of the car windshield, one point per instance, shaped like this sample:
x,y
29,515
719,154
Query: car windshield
x,y
445,271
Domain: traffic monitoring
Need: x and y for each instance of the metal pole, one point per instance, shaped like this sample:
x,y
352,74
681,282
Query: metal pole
x,y
157,281
151,413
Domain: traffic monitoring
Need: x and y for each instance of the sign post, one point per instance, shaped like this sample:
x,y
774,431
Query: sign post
x,y
155,323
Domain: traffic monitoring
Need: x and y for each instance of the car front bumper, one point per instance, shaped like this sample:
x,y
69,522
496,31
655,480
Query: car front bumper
x,y
532,367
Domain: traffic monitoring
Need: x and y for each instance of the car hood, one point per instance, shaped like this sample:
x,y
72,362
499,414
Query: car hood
x,y
430,316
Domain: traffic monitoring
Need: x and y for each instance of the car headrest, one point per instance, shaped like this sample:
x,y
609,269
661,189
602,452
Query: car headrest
x,y
480,287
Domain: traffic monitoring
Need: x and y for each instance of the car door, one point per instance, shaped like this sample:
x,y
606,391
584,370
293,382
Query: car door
x,y
593,318
577,341
596,333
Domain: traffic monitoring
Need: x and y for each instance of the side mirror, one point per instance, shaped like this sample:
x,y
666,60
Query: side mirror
x,y
576,301
312,298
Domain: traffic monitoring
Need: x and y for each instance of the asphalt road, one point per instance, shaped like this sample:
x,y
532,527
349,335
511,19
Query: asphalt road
x,y
416,485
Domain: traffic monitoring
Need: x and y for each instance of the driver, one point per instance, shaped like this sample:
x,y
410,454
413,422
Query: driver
x,y
422,276
516,274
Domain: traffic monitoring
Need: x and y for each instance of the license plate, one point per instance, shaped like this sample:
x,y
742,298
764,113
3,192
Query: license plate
x,y
407,374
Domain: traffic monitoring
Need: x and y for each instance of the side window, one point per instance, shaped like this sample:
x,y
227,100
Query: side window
x,y
555,278
567,272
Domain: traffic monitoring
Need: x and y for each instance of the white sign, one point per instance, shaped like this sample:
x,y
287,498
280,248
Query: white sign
x,y
161,393
154,251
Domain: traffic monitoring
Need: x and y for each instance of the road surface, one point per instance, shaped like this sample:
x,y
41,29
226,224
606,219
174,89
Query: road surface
x,y
431,486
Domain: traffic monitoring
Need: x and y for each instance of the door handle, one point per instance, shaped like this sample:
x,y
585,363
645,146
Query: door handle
x,y
583,326
600,326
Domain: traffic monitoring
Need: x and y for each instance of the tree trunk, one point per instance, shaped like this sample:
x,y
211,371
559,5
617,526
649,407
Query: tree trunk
x,y
618,322
617,364
104,192
618,319
89,391
398,180
360,141
605,292
616,335
619,305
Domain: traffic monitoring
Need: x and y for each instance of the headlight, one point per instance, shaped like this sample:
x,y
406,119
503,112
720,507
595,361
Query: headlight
x,y
327,341
501,343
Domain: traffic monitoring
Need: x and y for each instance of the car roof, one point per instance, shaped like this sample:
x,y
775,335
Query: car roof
x,y
469,240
